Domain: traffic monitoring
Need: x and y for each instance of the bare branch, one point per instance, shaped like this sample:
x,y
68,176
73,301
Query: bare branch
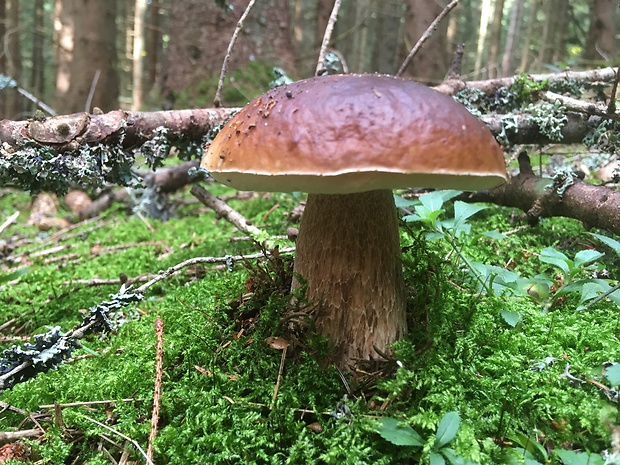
x,y
217,101
333,17
596,206
426,36
579,106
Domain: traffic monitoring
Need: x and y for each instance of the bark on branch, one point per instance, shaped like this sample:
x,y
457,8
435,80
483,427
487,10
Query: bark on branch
x,y
595,206
133,127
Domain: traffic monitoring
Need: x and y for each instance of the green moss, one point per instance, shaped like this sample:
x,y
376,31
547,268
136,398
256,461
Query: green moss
x,y
220,375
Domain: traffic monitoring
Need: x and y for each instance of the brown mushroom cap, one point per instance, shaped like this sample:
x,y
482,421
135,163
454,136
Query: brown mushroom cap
x,y
353,133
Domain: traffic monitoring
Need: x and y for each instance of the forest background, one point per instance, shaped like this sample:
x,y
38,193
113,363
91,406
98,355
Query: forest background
x,y
75,55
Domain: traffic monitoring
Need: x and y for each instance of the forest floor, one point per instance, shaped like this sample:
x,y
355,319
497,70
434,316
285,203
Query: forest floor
x,y
506,365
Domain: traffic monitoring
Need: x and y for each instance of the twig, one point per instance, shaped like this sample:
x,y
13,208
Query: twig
x,y
579,106
279,379
612,98
224,210
86,403
91,91
36,101
454,72
429,31
10,436
93,282
126,438
333,17
602,296
200,260
217,101
159,363
10,220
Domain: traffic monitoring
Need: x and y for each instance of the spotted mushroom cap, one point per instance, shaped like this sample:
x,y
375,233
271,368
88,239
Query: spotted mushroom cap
x,y
351,133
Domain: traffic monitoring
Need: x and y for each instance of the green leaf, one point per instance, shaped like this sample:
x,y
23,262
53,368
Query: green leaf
x,y
447,429
557,258
612,374
495,234
609,242
404,203
464,210
531,446
453,458
436,459
394,431
570,457
583,257
435,200
510,317
5,278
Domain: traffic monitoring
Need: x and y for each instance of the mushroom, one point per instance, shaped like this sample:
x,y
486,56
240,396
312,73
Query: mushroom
x,y
348,140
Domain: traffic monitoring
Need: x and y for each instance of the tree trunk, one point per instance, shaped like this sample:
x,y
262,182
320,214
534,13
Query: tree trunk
x,y
153,43
485,16
512,37
306,32
600,45
37,84
3,69
138,49
431,63
526,52
14,59
63,39
200,32
93,77
495,40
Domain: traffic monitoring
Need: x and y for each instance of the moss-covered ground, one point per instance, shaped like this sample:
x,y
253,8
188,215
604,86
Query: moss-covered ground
x,y
219,373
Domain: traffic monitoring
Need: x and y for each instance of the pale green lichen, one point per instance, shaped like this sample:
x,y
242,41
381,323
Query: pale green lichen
x,y
550,118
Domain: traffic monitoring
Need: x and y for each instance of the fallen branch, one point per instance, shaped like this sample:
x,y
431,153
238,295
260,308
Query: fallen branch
x,y
159,364
490,86
11,436
595,206
226,211
133,127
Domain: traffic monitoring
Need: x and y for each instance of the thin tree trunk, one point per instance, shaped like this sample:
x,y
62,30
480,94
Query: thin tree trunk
x,y
600,45
38,64
14,59
63,38
496,40
3,69
153,43
431,63
485,16
512,37
138,49
559,53
526,53
94,80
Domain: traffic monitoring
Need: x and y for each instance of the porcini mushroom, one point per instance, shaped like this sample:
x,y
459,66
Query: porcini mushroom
x,y
348,140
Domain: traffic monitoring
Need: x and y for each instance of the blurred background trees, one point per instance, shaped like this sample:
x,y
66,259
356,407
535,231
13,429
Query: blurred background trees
x,y
76,55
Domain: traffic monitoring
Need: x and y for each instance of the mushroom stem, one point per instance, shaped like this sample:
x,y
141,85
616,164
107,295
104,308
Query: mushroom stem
x,y
348,251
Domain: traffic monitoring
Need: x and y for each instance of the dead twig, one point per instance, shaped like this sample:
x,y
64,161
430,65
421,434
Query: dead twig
x,y
159,364
429,31
126,438
10,220
224,210
86,403
201,260
10,436
217,101
333,17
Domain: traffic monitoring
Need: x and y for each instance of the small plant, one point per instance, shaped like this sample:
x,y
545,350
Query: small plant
x,y
401,434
